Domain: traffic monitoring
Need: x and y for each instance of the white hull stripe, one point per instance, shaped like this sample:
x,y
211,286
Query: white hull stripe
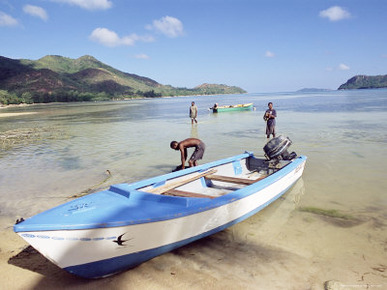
x,y
111,266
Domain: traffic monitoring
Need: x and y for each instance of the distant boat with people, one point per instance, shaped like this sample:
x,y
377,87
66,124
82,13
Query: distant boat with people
x,y
238,107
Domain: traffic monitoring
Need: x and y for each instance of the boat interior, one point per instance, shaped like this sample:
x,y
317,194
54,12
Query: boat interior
x,y
219,180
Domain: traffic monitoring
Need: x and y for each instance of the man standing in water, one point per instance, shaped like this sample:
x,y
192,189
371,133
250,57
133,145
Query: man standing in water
x,y
188,143
193,112
269,117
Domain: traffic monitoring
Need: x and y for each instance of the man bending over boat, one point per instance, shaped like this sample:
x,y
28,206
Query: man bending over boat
x,y
188,143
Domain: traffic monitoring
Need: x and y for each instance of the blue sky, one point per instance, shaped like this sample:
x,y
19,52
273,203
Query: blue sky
x,y
259,45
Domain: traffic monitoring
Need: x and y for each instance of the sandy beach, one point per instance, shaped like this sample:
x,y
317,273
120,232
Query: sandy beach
x,y
263,252
327,232
15,114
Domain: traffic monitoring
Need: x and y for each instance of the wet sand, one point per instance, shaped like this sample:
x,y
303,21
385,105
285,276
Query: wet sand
x,y
15,114
263,252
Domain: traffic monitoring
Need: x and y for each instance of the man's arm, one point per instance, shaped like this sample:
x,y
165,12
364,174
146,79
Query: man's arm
x,y
183,145
183,152
266,116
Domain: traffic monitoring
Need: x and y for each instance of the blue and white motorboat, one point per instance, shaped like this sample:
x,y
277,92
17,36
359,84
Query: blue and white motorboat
x,y
113,230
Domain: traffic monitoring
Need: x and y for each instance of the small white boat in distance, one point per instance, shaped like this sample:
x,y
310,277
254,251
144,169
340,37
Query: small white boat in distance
x,y
116,229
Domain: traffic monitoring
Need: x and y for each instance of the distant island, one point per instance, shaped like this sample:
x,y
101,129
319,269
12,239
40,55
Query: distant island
x,y
56,78
365,82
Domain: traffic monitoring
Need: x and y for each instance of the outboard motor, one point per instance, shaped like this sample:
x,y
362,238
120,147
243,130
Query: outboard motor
x,y
276,149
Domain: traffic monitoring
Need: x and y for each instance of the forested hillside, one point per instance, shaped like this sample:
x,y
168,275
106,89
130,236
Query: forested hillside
x,y
60,79
365,82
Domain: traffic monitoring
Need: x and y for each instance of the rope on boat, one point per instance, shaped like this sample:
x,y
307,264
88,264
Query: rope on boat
x,y
92,189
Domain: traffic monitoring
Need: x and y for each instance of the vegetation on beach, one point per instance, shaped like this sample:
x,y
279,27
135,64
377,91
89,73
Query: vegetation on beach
x,y
59,79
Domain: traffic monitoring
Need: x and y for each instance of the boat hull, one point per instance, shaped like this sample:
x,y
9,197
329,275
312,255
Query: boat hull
x,y
108,267
232,108
107,249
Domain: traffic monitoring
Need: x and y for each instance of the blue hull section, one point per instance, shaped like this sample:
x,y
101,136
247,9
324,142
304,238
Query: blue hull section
x,y
136,210
112,266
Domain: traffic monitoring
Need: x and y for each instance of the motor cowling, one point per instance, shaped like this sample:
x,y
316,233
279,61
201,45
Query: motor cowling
x,y
277,147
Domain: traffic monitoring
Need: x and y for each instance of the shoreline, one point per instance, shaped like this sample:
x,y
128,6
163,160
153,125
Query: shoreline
x,y
2,115
253,254
284,246
13,106
2,106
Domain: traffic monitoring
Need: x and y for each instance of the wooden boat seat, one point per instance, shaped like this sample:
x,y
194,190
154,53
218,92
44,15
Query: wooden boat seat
x,y
172,185
232,179
176,192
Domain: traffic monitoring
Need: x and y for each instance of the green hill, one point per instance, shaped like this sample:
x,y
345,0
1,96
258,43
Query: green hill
x,y
60,79
365,82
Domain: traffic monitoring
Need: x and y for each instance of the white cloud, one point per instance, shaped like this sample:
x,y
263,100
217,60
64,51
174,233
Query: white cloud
x,y
335,13
105,37
343,67
110,38
169,26
141,56
7,20
269,54
88,4
35,11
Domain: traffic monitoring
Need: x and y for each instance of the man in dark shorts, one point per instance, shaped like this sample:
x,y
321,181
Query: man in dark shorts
x,y
193,113
269,117
188,143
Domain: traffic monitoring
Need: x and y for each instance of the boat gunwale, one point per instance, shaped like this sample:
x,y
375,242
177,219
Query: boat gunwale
x,y
202,204
199,169
236,106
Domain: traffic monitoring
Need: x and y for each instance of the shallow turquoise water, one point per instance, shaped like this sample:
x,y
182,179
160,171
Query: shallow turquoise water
x,y
343,133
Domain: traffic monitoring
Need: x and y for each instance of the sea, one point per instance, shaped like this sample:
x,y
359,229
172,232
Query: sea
x,y
50,153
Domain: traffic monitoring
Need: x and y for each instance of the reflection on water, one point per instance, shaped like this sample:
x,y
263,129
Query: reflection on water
x,y
194,131
269,223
